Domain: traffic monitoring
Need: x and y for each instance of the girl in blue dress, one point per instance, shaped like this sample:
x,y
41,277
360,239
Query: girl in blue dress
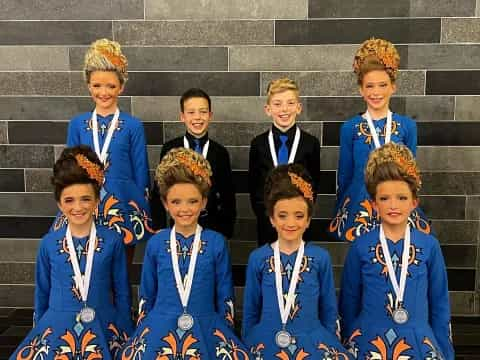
x,y
186,290
376,65
394,296
118,139
82,295
290,308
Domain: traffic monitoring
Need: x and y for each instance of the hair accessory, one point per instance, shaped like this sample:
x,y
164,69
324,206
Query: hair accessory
x,y
93,170
301,185
118,61
409,166
196,169
381,49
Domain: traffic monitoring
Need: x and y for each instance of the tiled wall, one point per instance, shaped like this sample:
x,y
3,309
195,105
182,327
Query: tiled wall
x,y
232,49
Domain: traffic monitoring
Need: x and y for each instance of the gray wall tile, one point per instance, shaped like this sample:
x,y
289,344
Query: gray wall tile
x,y
244,210
34,83
28,204
324,206
361,8
443,56
451,183
38,132
422,8
21,156
430,108
38,180
48,108
16,58
165,58
473,208
241,32
462,303
456,231
17,273
459,256
444,207
3,132
19,249
53,32
226,9
467,108
71,10
239,157
20,295
343,83
12,180
461,30
449,158
292,58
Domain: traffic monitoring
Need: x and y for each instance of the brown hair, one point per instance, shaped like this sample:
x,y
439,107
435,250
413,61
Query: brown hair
x,y
181,165
105,55
392,162
278,86
77,165
280,184
376,54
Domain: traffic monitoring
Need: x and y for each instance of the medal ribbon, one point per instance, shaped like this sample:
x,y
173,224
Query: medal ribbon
x,y
399,289
186,145
102,154
82,282
184,291
373,131
287,306
271,144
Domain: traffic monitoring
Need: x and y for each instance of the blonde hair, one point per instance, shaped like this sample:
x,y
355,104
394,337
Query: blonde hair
x,y
280,85
105,55
392,162
181,165
376,54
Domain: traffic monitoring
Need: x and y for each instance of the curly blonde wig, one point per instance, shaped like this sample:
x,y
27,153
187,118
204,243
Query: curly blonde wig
x,y
392,162
376,54
105,55
183,166
280,85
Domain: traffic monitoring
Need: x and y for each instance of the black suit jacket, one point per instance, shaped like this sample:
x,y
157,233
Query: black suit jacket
x,y
221,206
261,163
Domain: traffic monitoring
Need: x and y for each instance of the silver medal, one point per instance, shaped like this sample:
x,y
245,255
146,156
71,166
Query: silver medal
x,y
283,339
185,322
400,316
87,315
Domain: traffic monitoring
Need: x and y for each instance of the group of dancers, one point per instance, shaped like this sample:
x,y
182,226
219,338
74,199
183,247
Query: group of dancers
x,y
393,301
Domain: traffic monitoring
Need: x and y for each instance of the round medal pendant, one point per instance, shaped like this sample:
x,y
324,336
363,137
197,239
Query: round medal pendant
x,y
87,315
400,316
283,339
185,322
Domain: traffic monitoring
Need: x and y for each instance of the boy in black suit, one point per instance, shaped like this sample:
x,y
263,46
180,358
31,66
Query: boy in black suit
x,y
219,215
284,143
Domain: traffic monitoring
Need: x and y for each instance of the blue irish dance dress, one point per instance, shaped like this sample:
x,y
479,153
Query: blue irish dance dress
x,y
57,332
313,318
123,198
368,301
158,335
354,213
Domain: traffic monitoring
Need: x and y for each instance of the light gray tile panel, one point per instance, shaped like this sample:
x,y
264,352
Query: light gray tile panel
x,y
473,208
16,295
28,58
434,57
38,180
34,83
17,273
440,8
460,30
26,156
238,157
292,58
343,83
20,250
28,204
3,132
462,303
165,58
329,158
449,158
196,33
430,108
71,9
226,9
451,183
467,108
244,210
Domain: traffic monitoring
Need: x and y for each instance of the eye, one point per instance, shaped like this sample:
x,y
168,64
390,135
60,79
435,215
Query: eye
x,y
300,216
175,201
204,112
383,85
403,197
193,201
383,198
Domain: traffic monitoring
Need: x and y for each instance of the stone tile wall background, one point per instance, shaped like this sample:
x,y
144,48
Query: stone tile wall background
x,y
232,49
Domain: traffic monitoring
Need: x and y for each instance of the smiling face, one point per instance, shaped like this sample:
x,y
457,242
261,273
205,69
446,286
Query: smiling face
x,y
184,202
377,89
290,219
78,203
105,88
196,115
283,108
394,201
